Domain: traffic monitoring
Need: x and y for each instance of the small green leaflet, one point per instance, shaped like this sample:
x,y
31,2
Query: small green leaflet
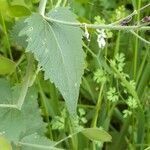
x,y
97,134
58,49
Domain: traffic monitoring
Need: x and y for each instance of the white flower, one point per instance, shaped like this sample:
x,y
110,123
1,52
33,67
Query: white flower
x,y
101,38
102,33
86,34
101,41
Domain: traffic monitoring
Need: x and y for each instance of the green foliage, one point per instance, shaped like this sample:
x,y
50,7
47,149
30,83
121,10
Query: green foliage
x,y
46,102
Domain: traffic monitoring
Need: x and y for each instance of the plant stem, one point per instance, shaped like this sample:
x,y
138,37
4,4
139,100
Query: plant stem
x,y
74,139
98,106
99,26
42,6
136,46
26,82
89,50
70,136
111,26
117,44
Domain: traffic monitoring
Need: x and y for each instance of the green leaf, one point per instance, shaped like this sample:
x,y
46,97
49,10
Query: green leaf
x,y
18,11
96,134
58,49
6,65
36,142
4,144
16,123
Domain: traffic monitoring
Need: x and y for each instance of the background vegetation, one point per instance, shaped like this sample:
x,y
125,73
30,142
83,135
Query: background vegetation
x,y
114,92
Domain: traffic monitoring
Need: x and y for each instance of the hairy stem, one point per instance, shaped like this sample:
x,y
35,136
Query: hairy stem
x,y
111,26
99,26
42,6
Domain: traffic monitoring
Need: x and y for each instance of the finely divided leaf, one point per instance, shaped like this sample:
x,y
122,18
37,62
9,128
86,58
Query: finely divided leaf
x,y
58,49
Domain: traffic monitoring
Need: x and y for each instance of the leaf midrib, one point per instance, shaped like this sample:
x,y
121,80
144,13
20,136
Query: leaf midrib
x,y
59,47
